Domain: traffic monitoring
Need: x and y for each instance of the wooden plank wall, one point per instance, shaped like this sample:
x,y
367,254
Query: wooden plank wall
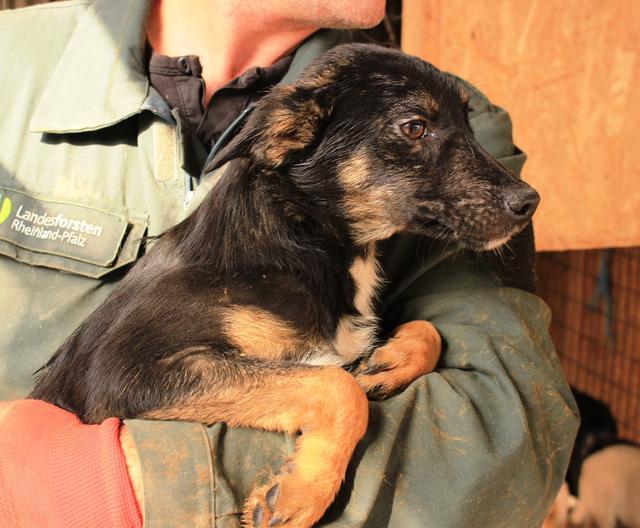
x,y
568,72
14,4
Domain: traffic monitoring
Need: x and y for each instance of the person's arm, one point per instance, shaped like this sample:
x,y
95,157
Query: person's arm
x,y
56,472
489,433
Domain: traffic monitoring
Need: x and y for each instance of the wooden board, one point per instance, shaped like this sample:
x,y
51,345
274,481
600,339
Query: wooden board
x,y
568,73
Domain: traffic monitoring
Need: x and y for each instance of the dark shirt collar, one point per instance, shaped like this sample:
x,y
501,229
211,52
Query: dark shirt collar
x,y
179,81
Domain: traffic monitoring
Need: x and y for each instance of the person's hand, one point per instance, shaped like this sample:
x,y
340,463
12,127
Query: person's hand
x,y
133,466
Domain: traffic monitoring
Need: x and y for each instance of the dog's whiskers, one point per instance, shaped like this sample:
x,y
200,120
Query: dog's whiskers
x,y
507,245
499,253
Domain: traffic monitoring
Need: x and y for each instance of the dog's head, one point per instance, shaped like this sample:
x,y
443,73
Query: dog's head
x,y
382,139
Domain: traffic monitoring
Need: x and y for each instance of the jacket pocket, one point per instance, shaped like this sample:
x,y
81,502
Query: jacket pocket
x,y
67,236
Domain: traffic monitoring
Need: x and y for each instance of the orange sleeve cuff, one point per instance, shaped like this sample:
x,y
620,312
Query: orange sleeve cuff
x,y
57,472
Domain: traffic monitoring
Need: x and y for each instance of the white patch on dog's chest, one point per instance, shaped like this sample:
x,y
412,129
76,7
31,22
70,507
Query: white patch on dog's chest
x,y
366,275
355,334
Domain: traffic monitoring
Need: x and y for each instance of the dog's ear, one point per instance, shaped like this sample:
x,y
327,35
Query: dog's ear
x,y
284,123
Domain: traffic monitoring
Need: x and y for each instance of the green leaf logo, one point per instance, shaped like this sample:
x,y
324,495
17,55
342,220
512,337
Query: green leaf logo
x,y
5,208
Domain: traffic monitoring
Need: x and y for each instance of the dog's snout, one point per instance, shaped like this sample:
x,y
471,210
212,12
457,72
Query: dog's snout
x,y
522,203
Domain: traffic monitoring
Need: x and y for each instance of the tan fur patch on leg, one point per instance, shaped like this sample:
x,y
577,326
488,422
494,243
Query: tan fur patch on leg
x,y
413,350
365,204
325,404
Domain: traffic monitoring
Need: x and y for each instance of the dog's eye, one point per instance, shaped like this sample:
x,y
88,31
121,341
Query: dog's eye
x,y
414,129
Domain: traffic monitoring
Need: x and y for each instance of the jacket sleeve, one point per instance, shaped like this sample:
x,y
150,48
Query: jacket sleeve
x,y
488,435
56,472
482,441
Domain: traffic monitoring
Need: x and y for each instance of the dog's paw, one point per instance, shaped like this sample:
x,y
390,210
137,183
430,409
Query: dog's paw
x,y
413,350
261,507
284,502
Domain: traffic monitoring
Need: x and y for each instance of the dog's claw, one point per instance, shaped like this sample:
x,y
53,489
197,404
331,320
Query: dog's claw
x,y
377,392
276,521
375,369
258,514
272,497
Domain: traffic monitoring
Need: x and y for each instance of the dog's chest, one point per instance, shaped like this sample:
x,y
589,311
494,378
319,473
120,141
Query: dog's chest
x,y
355,334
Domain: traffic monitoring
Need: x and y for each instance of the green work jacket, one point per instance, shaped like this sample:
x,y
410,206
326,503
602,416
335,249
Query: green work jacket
x,y
92,160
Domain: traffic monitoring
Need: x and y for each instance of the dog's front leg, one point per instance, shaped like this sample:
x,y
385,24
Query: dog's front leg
x,y
412,351
324,404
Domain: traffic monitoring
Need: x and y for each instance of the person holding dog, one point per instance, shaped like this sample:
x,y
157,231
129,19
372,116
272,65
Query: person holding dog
x,y
108,122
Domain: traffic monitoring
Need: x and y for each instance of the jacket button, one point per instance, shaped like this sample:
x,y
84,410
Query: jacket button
x,y
183,64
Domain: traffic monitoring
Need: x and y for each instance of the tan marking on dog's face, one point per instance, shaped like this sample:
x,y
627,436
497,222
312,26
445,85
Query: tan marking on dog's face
x,y
354,173
430,104
366,203
259,333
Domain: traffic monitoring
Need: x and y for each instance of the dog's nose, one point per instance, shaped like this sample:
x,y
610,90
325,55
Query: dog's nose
x,y
522,203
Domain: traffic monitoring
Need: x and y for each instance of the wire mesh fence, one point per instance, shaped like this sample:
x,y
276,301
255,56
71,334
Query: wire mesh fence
x,y
595,300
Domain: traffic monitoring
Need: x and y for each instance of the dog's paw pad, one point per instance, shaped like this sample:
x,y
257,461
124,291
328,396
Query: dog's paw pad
x,y
271,498
289,501
258,515
261,508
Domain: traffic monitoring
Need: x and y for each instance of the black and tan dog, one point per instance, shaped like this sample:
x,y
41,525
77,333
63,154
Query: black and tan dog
x,y
247,311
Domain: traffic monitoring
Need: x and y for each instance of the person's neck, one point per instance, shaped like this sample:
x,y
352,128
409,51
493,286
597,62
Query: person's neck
x,y
227,39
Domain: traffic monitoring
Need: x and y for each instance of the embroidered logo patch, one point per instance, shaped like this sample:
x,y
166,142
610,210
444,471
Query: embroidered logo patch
x,y
69,230
5,207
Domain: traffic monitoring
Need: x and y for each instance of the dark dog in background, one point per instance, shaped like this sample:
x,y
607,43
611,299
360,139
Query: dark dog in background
x,y
598,429
247,311
603,479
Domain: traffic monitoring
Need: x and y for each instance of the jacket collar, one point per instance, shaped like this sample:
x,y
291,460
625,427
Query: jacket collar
x,y
101,77
312,48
